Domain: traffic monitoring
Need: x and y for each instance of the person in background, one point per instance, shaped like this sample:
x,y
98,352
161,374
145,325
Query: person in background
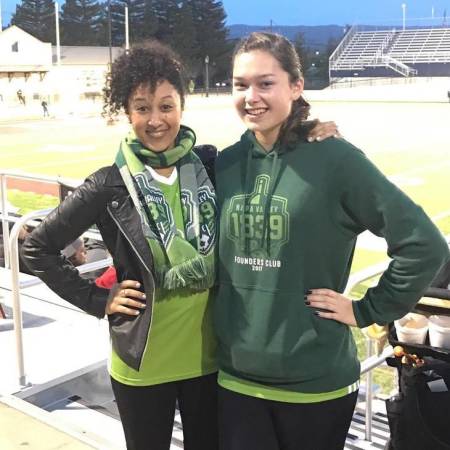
x,y
75,252
191,86
291,213
107,279
44,105
21,97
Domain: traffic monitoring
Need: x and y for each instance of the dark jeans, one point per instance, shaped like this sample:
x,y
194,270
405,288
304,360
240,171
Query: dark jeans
x,y
250,423
147,413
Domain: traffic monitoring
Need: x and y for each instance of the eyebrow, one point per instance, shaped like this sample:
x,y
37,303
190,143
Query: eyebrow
x,y
143,99
259,76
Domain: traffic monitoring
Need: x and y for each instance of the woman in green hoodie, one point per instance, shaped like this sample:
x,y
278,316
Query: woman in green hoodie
x,y
291,211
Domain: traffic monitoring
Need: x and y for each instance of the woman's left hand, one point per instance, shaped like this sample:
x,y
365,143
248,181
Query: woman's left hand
x,y
323,130
337,306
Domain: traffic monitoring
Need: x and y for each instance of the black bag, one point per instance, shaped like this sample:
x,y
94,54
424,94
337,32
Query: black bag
x,y
419,419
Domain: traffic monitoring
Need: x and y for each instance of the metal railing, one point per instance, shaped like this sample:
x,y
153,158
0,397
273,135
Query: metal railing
x,y
340,48
372,361
11,256
6,218
16,286
13,245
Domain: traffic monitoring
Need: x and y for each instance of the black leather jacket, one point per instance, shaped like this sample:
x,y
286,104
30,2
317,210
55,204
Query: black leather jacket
x,y
103,200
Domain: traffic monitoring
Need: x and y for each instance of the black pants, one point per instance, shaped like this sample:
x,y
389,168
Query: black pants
x,y
249,423
147,413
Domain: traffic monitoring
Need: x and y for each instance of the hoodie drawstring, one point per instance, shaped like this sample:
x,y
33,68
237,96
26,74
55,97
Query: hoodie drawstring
x,y
266,199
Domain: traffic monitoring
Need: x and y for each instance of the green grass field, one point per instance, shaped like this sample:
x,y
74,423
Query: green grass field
x,y
408,142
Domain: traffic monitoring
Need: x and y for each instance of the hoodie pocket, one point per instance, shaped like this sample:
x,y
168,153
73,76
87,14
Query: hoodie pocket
x,y
274,337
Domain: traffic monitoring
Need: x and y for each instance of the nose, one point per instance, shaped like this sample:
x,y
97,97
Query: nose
x,y
154,119
251,95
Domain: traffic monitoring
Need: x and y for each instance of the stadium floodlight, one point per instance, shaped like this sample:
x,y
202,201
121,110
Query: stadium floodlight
x,y
404,15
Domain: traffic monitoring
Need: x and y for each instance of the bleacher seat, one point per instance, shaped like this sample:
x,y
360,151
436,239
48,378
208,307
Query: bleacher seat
x,y
398,50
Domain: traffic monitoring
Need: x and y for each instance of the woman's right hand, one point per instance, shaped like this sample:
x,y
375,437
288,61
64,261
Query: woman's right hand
x,y
124,298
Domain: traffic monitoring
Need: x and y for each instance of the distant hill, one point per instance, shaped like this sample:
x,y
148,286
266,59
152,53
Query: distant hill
x,y
315,36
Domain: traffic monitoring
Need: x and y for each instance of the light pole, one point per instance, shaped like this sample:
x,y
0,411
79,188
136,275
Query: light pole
x,y
110,120
110,35
207,76
127,37
404,15
58,46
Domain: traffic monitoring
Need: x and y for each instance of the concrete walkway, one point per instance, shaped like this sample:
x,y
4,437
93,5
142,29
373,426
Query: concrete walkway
x,y
20,428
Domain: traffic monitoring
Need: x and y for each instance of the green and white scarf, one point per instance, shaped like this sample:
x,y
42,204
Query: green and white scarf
x,y
191,258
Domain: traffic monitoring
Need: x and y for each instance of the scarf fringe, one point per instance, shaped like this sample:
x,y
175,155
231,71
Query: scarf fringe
x,y
196,273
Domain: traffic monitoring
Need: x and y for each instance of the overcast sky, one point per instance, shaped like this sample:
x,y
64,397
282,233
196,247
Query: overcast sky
x,y
324,12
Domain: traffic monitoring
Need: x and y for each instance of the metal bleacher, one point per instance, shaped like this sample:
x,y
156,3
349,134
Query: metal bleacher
x,y
402,52
427,46
361,50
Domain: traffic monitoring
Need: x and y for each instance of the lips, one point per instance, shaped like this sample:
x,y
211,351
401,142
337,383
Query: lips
x,y
255,112
156,133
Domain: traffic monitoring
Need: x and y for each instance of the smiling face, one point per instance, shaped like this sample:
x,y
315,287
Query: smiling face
x,y
263,94
155,116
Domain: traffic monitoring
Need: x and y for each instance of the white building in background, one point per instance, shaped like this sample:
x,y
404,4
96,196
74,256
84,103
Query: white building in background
x,y
83,69
30,65
24,64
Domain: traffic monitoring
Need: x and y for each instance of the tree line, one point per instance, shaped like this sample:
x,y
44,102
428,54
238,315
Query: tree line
x,y
194,28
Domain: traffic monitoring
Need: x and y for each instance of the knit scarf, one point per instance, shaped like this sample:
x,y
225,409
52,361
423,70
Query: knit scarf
x,y
190,256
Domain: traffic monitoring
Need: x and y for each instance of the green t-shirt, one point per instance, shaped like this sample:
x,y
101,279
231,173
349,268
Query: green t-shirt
x,y
181,342
286,393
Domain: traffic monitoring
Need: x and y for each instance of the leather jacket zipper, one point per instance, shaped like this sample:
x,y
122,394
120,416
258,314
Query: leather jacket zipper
x,y
145,265
129,241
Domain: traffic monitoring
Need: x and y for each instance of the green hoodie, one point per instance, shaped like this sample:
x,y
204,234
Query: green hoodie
x,y
289,223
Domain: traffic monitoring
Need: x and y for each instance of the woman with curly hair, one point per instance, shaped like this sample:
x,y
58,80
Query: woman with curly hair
x,y
156,210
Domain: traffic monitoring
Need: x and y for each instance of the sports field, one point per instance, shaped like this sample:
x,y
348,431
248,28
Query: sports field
x,y
408,141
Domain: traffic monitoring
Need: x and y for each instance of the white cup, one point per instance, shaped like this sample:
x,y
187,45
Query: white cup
x,y
412,328
440,331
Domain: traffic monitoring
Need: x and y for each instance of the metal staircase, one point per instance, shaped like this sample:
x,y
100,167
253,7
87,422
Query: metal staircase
x,y
394,64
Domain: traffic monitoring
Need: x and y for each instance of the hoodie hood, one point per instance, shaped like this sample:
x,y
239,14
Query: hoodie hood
x,y
248,140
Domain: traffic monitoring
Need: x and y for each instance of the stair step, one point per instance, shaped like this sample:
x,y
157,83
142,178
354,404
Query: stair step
x,y
91,418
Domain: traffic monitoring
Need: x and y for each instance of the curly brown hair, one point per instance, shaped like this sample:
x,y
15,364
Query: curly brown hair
x,y
149,63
